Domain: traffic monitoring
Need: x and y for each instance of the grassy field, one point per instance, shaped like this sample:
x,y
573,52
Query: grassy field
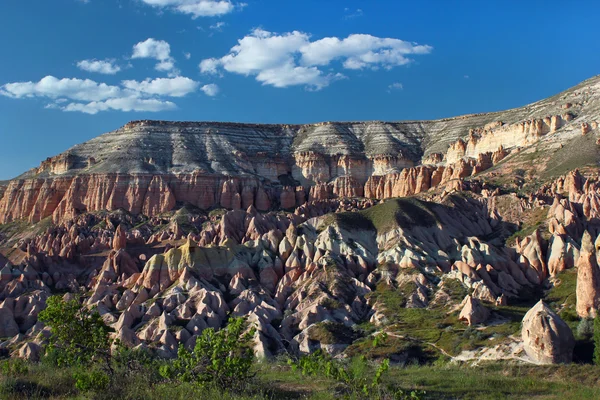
x,y
405,212
275,380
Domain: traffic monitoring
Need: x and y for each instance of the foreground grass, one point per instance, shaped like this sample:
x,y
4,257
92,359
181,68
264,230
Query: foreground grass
x,y
275,380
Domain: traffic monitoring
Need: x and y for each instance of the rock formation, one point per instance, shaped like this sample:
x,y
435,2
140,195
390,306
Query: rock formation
x,y
311,231
473,312
147,167
588,279
547,338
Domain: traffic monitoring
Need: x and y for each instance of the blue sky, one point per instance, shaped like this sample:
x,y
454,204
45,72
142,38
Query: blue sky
x,y
73,69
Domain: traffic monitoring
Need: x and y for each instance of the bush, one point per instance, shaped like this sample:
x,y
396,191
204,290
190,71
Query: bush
x,y
358,376
94,380
585,329
597,340
79,335
129,362
221,358
379,339
14,367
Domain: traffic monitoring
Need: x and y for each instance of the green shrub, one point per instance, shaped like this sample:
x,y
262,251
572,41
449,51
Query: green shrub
x,y
597,340
14,367
94,380
585,329
79,335
357,376
379,339
223,358
129,362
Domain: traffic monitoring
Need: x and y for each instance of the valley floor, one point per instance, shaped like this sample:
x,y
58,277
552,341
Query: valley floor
x,y
277,381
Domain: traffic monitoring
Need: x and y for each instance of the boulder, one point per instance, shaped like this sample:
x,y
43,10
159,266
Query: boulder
x,y
547,339
473,312
8,326
30,352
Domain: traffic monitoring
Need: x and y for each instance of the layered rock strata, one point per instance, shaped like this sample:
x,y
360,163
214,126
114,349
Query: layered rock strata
x,y
147,167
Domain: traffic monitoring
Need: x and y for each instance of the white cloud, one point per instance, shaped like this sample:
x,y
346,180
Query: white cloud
x,y
158,50
210,66
359,51
121,104
211,89
196,8
84,95
152,48
107,67
187,55
172,87
217,26
291,58
51,87
395,86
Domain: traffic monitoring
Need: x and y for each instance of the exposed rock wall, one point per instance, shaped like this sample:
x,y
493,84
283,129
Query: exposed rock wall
x,y
498,135
150,166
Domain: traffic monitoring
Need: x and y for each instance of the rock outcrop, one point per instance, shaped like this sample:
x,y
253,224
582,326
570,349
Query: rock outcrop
x,y
309,231
148,167
473,312
588,279
547,339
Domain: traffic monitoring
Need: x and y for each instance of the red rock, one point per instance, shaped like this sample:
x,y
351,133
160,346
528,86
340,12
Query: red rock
x,y
120,239
287,199
263,203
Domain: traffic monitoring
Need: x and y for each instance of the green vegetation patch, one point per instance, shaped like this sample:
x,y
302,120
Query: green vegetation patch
x,y
562,297
14,227
350,221
329,332
405,212
532,220
394,348
501,381
437,328
578,152
455,289
393,299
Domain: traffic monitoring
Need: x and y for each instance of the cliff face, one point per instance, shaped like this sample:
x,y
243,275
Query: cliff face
x,y
149,166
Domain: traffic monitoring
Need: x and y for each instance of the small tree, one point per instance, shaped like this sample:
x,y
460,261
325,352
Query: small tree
x,y
79,335
597,340
222,358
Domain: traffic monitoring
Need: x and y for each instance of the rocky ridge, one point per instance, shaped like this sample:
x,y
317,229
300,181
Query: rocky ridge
x,y
322,244
148,167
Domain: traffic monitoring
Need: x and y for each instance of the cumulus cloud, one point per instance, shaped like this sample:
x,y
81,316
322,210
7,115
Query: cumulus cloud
x,y
197,8
87,96
107,67
210,66
71,88
121,104
158,50
288,59
211,89
172,87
